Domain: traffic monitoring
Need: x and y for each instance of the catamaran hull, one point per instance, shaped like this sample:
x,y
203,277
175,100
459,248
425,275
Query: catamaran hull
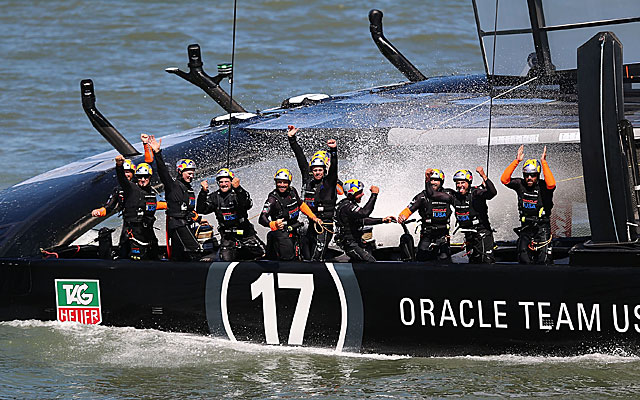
x,y
394,308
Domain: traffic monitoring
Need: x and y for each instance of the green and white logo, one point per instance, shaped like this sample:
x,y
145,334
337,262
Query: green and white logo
x,y
78,300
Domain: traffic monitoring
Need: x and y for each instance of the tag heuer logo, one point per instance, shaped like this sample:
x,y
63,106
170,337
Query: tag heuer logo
x,y
78,300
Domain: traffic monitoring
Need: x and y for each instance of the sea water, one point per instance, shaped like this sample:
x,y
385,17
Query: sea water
x,y
283,48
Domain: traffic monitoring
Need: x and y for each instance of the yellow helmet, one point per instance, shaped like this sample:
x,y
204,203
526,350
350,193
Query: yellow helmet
x,y
531,166
463,175
437,174
320,159
144,169
185,163
224,173
128,165
283,174
352,187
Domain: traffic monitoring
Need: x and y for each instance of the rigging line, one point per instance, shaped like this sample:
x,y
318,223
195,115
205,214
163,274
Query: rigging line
x,y
493,71
232,78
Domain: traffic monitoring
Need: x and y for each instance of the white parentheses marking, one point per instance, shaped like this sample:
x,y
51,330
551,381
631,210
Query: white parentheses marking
x,y
223,301
343,306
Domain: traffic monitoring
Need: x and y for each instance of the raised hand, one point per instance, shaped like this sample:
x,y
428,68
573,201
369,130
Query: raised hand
x,y
332,143
520,155
428,173
544,154
374,189
119,160
144,138
235,182
205,185
480,172
155,144
292,130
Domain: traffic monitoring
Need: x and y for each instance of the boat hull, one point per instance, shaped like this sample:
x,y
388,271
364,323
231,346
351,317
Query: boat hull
x,y
418,309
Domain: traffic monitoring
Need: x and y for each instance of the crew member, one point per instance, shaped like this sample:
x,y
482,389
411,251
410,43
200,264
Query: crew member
x,y
535,201
116,203
434,233
181,204
280,213
471,211
351,219
139,211
230,203
319,188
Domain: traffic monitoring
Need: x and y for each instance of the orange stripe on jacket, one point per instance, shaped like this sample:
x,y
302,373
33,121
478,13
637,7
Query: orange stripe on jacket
x,y
506,175
161,205
307,211
148,153
548,176
406,213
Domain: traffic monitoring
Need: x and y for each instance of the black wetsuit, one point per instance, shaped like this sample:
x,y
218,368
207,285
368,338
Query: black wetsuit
x,y
350,220
320,196
434,233
282,244
534,206
181,203
472,216
115,203
139,215
238,236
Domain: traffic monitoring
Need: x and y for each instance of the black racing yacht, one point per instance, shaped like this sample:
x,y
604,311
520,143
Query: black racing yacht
x,y
555,75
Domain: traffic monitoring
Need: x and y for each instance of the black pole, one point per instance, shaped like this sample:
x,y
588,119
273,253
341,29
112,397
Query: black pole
x,y
389,51
101,123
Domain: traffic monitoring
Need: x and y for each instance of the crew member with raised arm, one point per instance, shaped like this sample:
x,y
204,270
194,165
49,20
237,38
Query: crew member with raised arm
x,y
319,180
535,201
139,211
116,203
181,204
230,203
434,233
351,219
471,211
280,213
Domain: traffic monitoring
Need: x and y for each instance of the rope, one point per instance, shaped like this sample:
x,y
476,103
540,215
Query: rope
x,y
535,246
233,66
320,227
493,70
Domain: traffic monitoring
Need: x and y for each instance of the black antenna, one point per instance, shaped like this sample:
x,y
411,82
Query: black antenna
x,y
233,54
493,71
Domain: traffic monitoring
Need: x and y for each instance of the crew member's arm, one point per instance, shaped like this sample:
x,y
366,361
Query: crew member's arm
x,y
490,192
548,176
203,205
244,199
125,184
265,217
506,175
332,174
111,203
377,221
411,208
163,172
439,195
148,152
297,150
307,211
